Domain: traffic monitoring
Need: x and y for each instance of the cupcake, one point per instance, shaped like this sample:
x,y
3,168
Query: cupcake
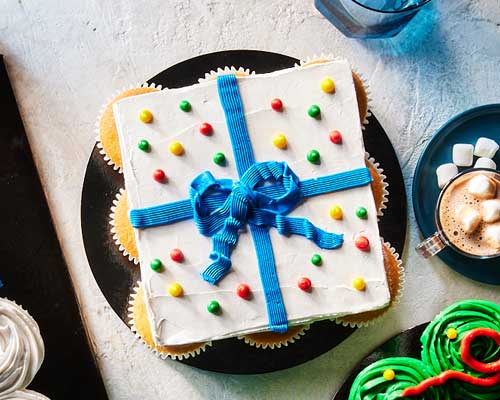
x,y
273,340
122,231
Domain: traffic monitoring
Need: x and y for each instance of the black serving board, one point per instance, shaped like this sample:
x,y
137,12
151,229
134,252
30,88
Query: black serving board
x,y
405,344
32,267
116,276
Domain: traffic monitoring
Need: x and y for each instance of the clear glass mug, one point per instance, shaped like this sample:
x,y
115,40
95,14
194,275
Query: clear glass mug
x,y
440,240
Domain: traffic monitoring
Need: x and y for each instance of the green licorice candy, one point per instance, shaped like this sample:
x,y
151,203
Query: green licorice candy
x,y
361,212
213,307
370,383
143,145
156,265
220,159
442,353
316,260
313,156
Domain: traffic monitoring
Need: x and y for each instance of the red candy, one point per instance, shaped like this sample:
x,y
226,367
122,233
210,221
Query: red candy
x,y
362,242
304,284
243,290
176,255
159,175
276,104
206,129
336,137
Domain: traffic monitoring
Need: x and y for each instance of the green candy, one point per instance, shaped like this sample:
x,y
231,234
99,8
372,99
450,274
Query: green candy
x,y
220,159
156,265
213,307
316,260
314,111
185,105
143,145
361,212
313,156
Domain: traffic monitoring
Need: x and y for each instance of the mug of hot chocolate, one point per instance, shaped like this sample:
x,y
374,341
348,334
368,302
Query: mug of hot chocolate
x,y
467,216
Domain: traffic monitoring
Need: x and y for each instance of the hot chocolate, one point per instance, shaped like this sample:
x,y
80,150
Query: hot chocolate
x,y
465,213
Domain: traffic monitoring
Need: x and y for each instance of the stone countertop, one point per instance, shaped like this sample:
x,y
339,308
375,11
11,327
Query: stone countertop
x,y
66,58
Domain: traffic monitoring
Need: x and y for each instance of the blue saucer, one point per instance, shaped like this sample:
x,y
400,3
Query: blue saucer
x,y
466,127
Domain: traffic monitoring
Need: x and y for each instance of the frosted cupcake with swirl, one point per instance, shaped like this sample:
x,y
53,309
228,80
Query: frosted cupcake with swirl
x,y
21,351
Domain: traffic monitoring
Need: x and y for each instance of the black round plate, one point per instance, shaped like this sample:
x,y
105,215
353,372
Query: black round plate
x,y
405,344
116,276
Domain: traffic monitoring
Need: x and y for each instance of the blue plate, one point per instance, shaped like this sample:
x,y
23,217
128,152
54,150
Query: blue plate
x,y
467,127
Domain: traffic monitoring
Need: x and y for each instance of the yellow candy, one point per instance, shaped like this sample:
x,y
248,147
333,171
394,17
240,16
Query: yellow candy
x,y
146,116
452,333
175,289
336,212
280,141
327,85
176,148
359,284
389,374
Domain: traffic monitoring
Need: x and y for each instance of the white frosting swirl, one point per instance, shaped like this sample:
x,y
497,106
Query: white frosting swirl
x,y
24,395
21,348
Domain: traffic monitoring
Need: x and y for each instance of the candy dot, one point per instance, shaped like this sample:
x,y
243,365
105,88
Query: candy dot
x,y
389,374
159,175
146,116
314,111
452,333
276,104
336,212
176,255
304,284
327,85
213,307
336,137
243,290
175,289
206,129
361,212
313,156
359,284
362,242
185,105
220,159
143,145
280,141
176,148
156,265
316,260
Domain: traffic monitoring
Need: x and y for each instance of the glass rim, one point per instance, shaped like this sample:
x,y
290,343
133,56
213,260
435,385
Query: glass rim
x,y
437,219
414,7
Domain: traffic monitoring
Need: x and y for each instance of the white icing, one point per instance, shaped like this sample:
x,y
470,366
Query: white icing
x,y
185,319
21,347
24,394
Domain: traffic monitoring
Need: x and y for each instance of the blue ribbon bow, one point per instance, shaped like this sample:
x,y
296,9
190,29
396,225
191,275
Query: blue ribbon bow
x,y
250,201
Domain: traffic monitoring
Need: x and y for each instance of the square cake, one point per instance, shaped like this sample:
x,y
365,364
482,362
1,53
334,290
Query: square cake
x,y
246,209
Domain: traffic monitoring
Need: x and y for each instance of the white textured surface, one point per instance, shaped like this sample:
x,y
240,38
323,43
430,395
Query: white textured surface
x,y
66,57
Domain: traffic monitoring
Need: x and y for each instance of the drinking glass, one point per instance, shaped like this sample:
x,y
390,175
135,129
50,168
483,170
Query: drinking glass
x,y
370,19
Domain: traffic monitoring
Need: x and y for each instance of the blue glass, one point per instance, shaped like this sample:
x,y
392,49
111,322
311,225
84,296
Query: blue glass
x,y
370,19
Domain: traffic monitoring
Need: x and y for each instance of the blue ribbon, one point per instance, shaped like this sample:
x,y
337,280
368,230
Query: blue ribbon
x,y
262,198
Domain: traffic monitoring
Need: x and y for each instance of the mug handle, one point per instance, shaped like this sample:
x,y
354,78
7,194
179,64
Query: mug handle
x,y
431,246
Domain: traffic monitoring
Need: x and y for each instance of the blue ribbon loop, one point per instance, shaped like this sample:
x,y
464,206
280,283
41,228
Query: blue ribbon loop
x,y
263,197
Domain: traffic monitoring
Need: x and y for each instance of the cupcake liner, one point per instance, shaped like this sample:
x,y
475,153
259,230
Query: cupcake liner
x,y
106,135
209,76
123,233
273,340
360,83
395,278
139,324
379,185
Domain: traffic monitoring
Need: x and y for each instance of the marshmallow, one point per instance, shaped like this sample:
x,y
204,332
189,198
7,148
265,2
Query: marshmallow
x,y
444,173
490,210
463,154
492,236
485,147
469,218
482,187
485,162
